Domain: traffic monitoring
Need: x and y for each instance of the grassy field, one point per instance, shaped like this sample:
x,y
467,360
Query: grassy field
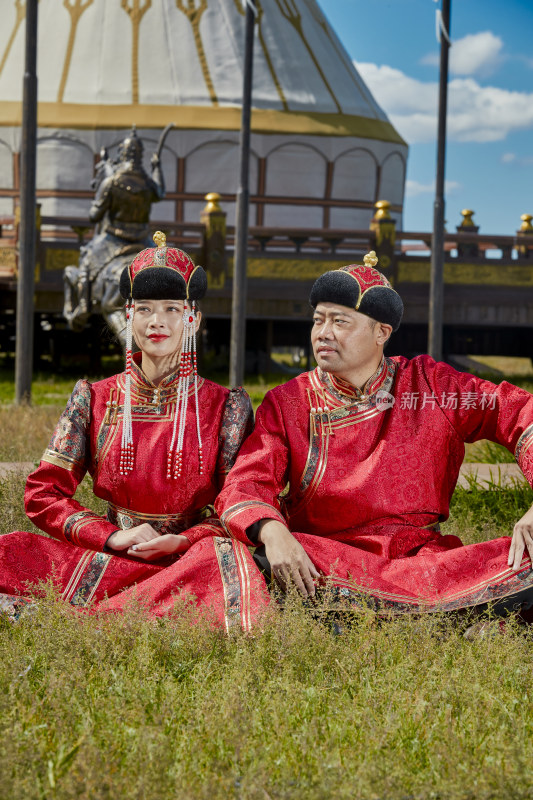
x,y
98,707
108,707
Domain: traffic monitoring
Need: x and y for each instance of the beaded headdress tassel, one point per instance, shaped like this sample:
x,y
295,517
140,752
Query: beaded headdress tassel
x,y
169,273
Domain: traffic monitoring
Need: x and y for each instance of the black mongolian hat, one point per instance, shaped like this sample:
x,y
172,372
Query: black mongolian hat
x,y
163,273
362,288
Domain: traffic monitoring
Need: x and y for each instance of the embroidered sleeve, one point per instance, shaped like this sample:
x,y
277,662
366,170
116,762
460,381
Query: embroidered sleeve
x,y
50,489
69,444
237,424
524,453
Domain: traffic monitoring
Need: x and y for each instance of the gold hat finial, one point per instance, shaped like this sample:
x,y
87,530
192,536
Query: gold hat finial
x,y
371,259
160,239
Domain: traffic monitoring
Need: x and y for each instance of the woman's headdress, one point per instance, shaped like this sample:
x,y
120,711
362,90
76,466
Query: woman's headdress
x,y
164,273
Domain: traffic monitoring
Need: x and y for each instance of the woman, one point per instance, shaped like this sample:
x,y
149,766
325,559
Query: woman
x,y
158,441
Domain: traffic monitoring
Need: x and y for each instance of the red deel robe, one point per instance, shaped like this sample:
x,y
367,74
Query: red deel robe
x,y
364,484
216,570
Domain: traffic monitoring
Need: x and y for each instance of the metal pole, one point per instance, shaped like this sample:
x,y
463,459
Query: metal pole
x,y
238,304
25,286
436,289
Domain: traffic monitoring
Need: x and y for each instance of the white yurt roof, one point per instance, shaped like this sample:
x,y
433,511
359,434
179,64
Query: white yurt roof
x,y
108,63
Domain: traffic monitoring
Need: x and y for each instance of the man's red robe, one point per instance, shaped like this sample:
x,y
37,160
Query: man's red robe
x,y
363,479
217,571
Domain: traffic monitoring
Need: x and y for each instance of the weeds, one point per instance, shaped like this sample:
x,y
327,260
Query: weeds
x,y
97,706
112,706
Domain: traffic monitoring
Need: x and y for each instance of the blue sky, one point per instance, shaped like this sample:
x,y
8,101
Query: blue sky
x,y
489,159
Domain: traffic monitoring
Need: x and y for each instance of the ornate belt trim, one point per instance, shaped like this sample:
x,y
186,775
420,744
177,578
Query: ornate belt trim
x,y
126,518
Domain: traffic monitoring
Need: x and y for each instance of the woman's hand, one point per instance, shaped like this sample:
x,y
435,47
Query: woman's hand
x,y
522,539
123,540
161,546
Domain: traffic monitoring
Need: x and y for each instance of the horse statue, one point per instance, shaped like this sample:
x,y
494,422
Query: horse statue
x,y
124,193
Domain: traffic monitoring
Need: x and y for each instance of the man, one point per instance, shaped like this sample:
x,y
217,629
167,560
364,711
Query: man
x,y
352,466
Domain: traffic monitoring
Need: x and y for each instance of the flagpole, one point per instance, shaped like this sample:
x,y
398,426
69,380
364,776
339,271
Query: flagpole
x,y
238,305
25,285
436,289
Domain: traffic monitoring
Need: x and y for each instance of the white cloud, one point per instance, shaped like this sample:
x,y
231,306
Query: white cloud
x,y
475,113
475,54
512,158
414,188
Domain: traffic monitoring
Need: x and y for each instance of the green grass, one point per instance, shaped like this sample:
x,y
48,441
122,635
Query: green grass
x,y
108,706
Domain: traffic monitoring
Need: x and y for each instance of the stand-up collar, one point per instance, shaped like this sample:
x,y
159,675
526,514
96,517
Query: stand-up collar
x,y
143,389
347,390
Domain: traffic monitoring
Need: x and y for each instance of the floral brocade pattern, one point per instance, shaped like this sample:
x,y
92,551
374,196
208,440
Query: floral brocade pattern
x,y
14,606
524,443
90,579
69,443
72,525
237,424
229,573
511,594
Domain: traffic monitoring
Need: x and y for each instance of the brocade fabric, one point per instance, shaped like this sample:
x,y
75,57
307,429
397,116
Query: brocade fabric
x,y
87,438
363,479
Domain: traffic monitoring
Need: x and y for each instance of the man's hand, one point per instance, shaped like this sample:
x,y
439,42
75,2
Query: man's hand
x,y
522,539
287,558
162,546
123,540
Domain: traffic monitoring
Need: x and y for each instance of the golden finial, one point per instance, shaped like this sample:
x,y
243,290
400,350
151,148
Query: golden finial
x,y
213,202
160,239
382,209
371,259
467,221
526,225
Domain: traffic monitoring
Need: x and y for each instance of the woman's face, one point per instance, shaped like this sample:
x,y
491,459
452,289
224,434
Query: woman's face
x,y
158,327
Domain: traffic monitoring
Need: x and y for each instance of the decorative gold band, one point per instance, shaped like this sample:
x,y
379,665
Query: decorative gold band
x,y
78,115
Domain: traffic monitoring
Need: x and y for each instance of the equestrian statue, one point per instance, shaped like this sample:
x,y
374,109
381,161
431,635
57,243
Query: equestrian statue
x,y
124,193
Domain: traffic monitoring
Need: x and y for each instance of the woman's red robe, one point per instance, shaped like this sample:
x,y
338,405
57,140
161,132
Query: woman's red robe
x,y
217,571
363,480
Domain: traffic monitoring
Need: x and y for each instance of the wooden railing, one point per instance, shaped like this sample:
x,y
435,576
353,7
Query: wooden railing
x,y
71,232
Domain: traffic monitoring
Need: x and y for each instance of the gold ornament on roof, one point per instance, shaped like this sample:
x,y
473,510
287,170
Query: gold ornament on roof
x,y
371,259
526,225
160,239
382,209
467,221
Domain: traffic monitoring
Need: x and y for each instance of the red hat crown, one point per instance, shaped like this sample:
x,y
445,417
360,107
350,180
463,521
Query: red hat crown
x,y
366,276
163,272
162,256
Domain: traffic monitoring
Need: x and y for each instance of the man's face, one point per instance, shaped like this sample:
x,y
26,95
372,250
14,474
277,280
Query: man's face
x,y
345,341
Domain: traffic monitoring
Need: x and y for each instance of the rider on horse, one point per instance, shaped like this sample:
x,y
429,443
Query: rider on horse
x,y
121,209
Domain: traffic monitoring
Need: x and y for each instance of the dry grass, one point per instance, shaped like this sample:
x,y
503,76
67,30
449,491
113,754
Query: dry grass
x,y
102,707
25,432
107,707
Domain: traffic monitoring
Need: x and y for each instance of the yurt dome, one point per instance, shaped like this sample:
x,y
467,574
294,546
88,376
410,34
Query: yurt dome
x,y
323,151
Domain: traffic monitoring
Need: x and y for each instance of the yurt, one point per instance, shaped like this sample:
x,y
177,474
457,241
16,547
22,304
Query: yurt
x,y
323,151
